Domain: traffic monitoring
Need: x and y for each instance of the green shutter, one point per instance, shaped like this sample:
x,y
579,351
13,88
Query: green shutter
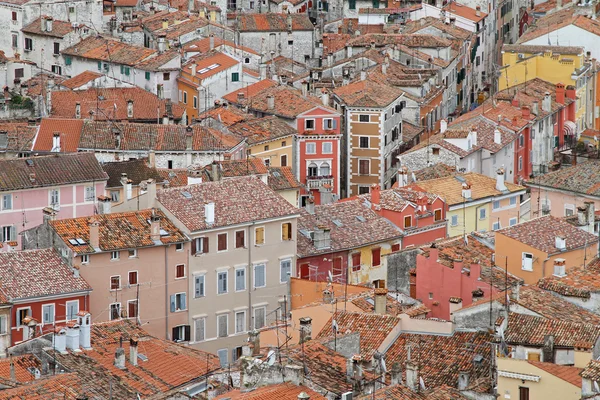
x,y
235,77
121,70
127,71
99,65
67,60
325,6
352,4
375,3
147,75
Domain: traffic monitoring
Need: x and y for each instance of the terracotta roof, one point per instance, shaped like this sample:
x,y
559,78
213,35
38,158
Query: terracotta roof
x,y
237,201
405,393
69,130
564,372
178,28
273,22
439,170
55,170
282,178
261,130
81,79
450,187
528,330
465,12
557,20
37,85
592,371
569,178
226,115
203,45
410,131
158,62
62,386
454,31
417,311
367,93
19,136
352,225
397,199
399,39
442,357
534,49
110,50
137,170
37,273
118,231
351,322
100,135
21,364
175,177
60,29
233,168
485,129
145,104
250,90
216,60
551,306
579,282
540,233
366,302
281,391
334,42
351,25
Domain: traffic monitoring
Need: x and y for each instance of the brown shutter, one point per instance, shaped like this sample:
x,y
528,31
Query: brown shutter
x,y
376,256
260,235
194,250
205,244
355,259
239,239
285,232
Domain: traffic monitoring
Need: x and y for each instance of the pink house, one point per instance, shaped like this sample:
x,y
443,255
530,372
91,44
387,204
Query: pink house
x,y
68,184
317,154
456,273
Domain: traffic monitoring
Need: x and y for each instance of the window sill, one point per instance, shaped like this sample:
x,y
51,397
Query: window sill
x,y
526,269
180,278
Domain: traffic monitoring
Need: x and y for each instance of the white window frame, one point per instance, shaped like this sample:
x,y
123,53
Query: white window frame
x,y
511,199
74,316
110,314
4,202
8,231
3,325
243,312
85,258
134,253
264,265
226,282
281,270
18,320
512,221
523,264
324,150
54,198
244,280
115,255
87,196
312,146
484,211
496,205
178,296
44,322
569,207
314,124
137,277
179,246
452,219
496,226
325,127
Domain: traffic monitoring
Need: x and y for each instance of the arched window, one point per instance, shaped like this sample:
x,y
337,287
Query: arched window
x,y
312,169
324,170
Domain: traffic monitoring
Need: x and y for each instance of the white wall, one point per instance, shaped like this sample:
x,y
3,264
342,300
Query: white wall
x,y
570,36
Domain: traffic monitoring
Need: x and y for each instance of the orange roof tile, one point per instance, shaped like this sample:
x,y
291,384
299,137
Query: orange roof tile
x,y
564,372
226,115
81,79
69,130
465,12
203,45
60,29
274,22
109,49
282,391
250,90
209,64
175,177
21,364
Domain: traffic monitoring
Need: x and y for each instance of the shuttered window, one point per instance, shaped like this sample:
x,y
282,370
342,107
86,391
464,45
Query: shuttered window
x,y
222,328
259,276
259,235
286,231
355,262
240,240
199,286
199,329
376,254
222,242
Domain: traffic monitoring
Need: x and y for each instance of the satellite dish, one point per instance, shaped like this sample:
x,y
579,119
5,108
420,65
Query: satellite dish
x,y
271,357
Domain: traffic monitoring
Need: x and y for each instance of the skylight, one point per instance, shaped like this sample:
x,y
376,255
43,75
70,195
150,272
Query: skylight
x,y
205,70
186,194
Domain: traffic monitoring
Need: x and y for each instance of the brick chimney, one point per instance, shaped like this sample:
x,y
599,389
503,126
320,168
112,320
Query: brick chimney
x,y
133,351
375,195
560,93
571,92
515,102
305,329
271,102
526,112
94,226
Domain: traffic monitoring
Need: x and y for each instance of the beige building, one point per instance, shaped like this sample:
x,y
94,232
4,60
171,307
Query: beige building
x,y
242,256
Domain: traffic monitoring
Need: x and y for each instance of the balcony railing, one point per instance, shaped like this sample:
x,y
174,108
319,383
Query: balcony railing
x,y
317,182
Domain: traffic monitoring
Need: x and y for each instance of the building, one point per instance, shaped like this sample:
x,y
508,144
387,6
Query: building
x,y
16,139
372,114
344,242
283,391
44,292
544,246
138,262
242,256
476,202
91,79
128,179
67,184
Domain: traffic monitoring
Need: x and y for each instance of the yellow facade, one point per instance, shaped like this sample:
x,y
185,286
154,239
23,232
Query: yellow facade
x,y
277,152
468,219
368,273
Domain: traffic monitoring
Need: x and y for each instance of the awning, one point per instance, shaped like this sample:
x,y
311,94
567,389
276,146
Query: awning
x,y
569,128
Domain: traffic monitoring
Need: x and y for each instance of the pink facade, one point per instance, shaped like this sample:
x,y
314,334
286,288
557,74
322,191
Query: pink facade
x,y
437,283
317,152
317,268
25,209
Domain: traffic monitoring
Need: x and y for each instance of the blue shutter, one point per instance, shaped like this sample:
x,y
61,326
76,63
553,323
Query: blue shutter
x,y
183,301
334,123
172,303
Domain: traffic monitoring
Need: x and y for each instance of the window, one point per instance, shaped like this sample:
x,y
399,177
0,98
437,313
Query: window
x,y
363,142
125,70
454,220
266,148
180,271
286,231
240,239
222,242
435,151
376,256
28,44
309,124
235,77
352,4
512,221
199,329
9,234
327,148
222,328
363,190
285,270
240,321
311,148
19,73
132,309
48,314
14,15
3,325
166,76
114,195
521,140
114,255
240,279
259,317
195,102
524,391
328,124
283,160
132,277
181,333
395,247
495,204
364,167
179,247
72,309
260,276
147,75
247,59
569,210
495,226
90,193
85,259
178,302
56,69
430,295
313,170
23,313
408,221
259,236
283,143
115,282
437,215
520,163
184,97
223,355
527,263
115,311
364,118
7,202
513,201
355,262
199,286
200,245
324,169
222,282
482,213
132,253
54,198
15,40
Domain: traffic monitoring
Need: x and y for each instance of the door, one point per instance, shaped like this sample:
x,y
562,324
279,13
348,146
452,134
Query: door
x,y
304,272
523,393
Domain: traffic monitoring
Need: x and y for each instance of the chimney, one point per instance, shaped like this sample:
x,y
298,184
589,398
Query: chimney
x,y
191,4
214,169
515,292
271,102
591,215
304,88
381,301
117,134
548,349
327,296
515,102
77,110
396,375
357,372
547,103
500,185
120,357
289,23
127,187
59,340
363,75
193,68
348,51
209,213
384,68
305,329
133,351
189,138
560,91
558,4
73,337
104,205
152,159
330,60
49,24
155,227
165,23
474,137
13,374
43,23
262,70
94,226
571,92
443,126
525,112
582,216
322,238
375,194
151,188
560,242
463,380
325,97
84,320
412,376
466,191
310,205
497,136
254,339
478,11
56,141
455,304
535,108
162,42
402,176
129,108
559,266
240,97
211,41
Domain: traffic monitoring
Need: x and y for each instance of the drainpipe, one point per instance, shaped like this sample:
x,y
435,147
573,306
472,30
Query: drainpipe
x,y
168,307
544,267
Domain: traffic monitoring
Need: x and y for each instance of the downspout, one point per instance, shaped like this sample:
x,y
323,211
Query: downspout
x,y
544,267
166,295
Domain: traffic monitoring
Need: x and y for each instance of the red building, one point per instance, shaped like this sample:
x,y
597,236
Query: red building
x,y
317,154
44,292
455,274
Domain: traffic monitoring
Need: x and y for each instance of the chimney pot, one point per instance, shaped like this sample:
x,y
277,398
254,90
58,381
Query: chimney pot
x,y
500,179
94,226
133,351
305,329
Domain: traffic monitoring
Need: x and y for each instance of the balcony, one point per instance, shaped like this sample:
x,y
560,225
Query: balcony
x,y
317,182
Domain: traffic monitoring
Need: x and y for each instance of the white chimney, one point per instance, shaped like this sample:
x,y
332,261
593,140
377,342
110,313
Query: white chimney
x,y
59,340
474,137
193,68
56,141
211,41
73,337
84,320
443,126
209,213
363,75
497,136
500,186
129,108
466,191
403,176
560,242
120,358
77,110
270,102
325,97
48,24
381,301
133,351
